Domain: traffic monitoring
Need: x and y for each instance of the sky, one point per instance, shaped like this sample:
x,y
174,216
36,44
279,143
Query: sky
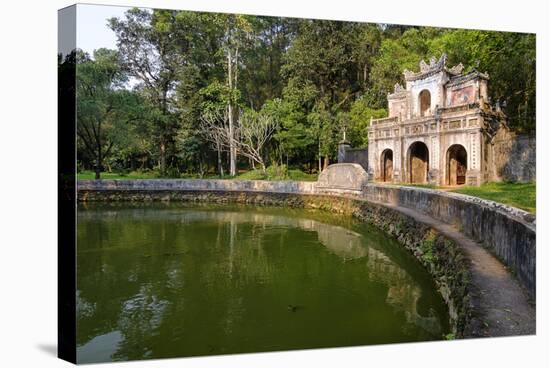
x,y
92,31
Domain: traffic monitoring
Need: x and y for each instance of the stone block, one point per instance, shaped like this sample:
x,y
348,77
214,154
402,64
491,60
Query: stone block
x,y
343,176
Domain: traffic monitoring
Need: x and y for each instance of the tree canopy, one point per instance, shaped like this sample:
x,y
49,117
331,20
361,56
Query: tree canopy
x,y
289,87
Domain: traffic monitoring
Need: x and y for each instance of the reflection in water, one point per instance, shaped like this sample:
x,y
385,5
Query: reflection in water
x,y
173,281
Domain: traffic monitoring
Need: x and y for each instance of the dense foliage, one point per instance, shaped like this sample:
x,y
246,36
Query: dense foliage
x,y
278,91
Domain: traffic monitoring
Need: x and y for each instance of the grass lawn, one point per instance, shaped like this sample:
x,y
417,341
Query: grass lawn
x,y
89,175
427,186
291,174
520,195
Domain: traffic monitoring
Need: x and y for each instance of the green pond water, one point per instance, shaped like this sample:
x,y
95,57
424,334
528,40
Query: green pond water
x,y
160,280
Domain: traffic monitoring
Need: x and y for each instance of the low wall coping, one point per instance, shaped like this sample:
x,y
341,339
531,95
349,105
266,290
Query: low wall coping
x,y
289,186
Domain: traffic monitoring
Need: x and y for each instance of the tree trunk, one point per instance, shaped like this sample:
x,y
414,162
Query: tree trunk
x,y
326,162
99,156
98,162
162,160
232,148
320,158
201,171
220,165
263,167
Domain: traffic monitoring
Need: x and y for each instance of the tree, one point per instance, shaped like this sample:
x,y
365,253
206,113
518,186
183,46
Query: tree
x,y
133,148
369,37
294,139
254,131
215,130
150,55
263,59
236,33
322,61
395,55
100,105
358,121
325,131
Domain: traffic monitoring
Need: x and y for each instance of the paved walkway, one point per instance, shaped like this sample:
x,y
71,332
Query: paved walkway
x,y
501,304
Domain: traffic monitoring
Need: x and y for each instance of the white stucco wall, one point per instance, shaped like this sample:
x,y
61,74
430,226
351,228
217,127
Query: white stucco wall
x,y
434,85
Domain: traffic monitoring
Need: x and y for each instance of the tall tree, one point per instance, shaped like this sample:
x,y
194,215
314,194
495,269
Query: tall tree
x,y
100,104
322,60
237,30
264,57
152,56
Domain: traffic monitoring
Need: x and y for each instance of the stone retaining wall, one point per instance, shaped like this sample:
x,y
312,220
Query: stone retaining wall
x,y
515,158
508,232
304,187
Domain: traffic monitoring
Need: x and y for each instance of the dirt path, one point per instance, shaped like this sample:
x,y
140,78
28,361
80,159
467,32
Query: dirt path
x,y
501,304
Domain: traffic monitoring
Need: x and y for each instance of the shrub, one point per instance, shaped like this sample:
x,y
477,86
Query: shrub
x,y
173,172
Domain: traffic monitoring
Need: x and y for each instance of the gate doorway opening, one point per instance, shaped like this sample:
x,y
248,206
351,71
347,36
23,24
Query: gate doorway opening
x,y
457,160
418,163
387,165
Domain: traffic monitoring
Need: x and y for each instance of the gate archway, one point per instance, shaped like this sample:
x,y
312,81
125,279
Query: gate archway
x,y
418,162
457,164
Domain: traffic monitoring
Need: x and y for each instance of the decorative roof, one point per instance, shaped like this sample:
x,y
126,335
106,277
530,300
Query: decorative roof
x,y
398,91
457,69
435,66
398,88
458,79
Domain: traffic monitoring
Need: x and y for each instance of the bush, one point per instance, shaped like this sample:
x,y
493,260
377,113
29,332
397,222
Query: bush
x,y
252,175
173,172
277,172
124,172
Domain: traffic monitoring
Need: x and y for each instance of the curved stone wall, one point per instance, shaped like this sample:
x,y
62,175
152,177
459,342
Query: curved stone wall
x,y
507,232
305,187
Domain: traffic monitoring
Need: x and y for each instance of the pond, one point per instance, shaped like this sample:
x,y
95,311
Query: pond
x,y
168,280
